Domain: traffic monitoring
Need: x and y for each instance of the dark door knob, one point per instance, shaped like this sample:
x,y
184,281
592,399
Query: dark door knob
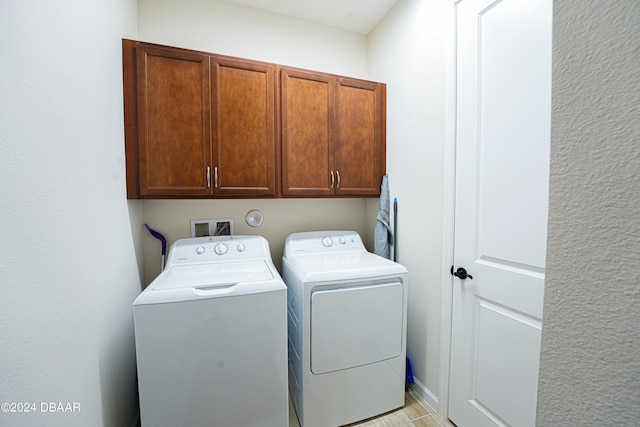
x,y
461,273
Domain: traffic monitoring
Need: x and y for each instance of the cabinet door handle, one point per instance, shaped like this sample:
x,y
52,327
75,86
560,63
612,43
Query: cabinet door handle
x,y
338,174
332,179
215,177
208,176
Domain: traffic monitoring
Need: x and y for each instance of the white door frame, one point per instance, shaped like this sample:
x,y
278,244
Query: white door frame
x,y
448,210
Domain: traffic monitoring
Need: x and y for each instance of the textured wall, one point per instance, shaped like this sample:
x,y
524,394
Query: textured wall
x,y
590,359
67,272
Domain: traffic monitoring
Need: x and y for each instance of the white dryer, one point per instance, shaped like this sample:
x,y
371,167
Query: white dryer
x,y
347,312
211,338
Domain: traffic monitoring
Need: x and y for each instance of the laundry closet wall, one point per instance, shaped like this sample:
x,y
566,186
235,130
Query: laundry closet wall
x,y
228,29
406,51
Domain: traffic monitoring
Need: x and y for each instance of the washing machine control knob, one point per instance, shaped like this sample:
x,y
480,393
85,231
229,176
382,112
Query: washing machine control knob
x,y
200,250
326,241
241,247
342,241
221,249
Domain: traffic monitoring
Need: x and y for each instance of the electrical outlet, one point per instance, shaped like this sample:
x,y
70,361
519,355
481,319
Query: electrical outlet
x,y
212,227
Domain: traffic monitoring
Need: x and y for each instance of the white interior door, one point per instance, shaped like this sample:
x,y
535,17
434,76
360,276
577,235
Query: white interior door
x,y
502,167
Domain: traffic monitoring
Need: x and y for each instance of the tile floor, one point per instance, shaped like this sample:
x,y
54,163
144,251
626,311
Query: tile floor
x,y
414,413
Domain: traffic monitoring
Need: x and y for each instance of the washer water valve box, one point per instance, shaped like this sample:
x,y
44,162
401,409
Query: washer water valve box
x,y
212,227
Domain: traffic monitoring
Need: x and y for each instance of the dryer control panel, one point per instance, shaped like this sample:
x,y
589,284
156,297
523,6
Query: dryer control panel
x,y
318,242
218,249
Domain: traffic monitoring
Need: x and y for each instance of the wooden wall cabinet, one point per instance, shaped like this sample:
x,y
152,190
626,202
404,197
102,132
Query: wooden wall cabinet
x,y
244,128
174,130
333,135
202,125
205,125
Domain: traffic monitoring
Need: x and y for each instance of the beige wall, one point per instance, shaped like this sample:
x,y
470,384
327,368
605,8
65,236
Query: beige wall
x,y
281,218
590,357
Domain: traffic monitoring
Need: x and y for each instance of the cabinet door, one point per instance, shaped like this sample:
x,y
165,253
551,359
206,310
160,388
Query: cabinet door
x,y
173,122
359,133
243,127
307,141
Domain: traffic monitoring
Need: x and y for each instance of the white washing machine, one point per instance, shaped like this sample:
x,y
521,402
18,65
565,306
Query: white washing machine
x,y
347,312
211,337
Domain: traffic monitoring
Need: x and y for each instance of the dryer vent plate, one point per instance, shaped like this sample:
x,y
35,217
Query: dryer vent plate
x,y
254,218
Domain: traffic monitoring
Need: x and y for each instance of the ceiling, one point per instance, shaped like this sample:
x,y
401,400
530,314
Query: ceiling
x,y
357,16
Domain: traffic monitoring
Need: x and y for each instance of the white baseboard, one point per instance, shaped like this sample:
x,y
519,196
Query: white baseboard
x,y
429,397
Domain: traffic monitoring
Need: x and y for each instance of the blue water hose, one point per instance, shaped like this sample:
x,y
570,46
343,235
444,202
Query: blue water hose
x,y
164,244
410,379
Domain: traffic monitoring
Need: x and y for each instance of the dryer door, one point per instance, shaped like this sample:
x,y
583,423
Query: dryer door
x,y
354,326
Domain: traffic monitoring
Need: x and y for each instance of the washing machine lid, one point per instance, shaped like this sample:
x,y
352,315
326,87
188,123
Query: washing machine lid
x,y
214,267
216,280
211,275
